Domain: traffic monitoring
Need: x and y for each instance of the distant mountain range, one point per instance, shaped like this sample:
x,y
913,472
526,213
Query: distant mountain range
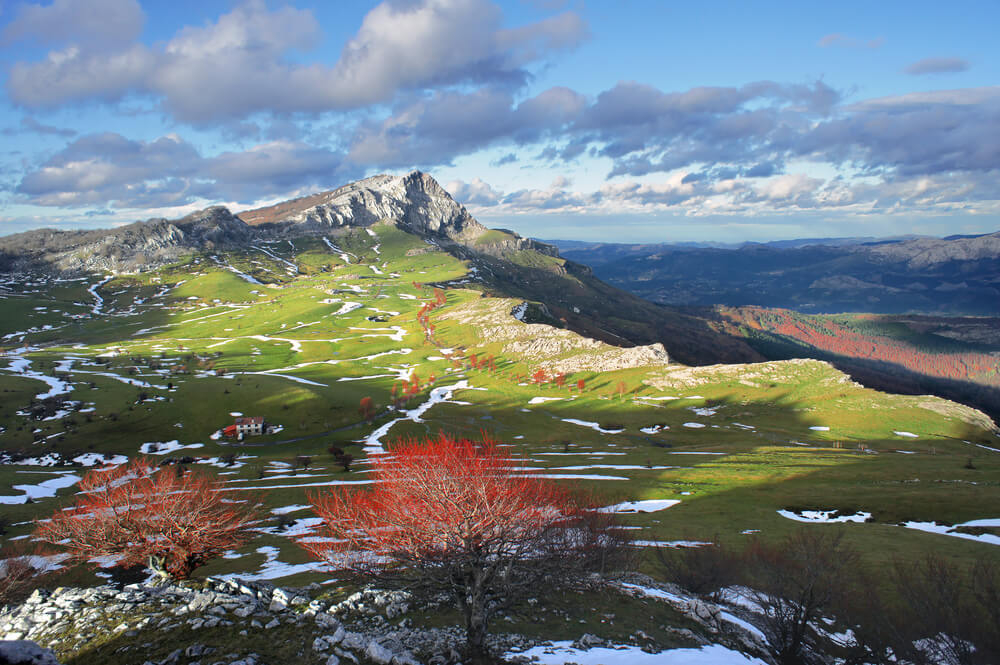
x,y
958,275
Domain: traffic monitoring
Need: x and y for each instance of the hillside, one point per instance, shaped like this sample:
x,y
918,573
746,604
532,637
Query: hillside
x,y
449,329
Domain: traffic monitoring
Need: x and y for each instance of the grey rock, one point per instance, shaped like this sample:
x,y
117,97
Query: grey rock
x,y
25,652
378,653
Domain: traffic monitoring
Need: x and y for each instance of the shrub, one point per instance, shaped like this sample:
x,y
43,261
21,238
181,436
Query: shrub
x,y
171,520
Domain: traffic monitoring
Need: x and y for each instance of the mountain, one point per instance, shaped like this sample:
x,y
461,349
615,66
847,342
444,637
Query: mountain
x,y
138,246
506,263
959,275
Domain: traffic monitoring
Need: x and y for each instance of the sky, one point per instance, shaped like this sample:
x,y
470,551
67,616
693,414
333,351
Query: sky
x,y
624,121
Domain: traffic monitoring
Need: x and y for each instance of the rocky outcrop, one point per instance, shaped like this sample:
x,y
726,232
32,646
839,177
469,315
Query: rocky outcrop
x,y
133,248
415,201
553,349
134,622
25,652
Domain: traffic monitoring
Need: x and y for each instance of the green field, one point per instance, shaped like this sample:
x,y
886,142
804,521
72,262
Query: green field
x,y
299,332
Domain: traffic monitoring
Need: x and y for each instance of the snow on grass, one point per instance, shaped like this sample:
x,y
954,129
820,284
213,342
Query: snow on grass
x,y
242,275
704,410
304,526
742,426
294,269
979,445
992,523
622,467
542,400
654,429
562,652
581,452
364,378
694,425
165,447
274,569
819,428
594,426
946,530
909,435
21,366
652,592
284,510
573,476
86,459
745,625
346,308
98,300
93,459
647,506
373,442
325,483
824,516
43,490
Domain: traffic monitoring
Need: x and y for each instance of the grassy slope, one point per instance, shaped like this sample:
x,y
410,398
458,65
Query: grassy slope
x,y
207,324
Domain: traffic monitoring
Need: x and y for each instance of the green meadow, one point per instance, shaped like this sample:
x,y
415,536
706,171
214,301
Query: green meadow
x,y
300,331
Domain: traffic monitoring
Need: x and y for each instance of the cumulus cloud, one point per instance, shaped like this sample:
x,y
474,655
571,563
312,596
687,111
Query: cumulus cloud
x,y
432,130
96,24
785,194
475,193
108,169
239,64
937,66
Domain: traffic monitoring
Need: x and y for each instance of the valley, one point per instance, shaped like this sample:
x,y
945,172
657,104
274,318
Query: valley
x,y
468,339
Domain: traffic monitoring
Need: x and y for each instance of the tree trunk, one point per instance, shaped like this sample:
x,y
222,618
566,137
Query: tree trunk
x,y
476,620
155,563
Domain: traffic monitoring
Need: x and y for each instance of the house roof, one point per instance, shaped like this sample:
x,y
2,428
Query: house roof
x,y
252,420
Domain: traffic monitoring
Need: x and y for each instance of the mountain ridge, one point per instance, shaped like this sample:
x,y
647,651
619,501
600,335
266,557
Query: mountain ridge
x,y
954,275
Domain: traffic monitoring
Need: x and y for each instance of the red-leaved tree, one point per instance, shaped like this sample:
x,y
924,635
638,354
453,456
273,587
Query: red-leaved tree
x,y
367,409
168,519
454,516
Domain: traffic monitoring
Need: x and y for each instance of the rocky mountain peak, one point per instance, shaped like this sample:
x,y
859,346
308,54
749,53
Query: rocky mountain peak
x,y
415,201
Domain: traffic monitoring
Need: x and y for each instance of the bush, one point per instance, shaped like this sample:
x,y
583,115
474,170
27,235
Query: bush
x,y
703,571
171,520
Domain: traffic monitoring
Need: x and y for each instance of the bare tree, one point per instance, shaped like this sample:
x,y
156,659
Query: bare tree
x,y
793,582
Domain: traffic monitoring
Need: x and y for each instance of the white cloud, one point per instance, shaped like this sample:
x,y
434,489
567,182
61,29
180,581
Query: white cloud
x,y
96,24
238,65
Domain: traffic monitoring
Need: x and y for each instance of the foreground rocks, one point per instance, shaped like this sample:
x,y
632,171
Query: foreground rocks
x,y
25,652
233,622
228,622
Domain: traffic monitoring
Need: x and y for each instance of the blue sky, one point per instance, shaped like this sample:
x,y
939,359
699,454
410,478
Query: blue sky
x,y
617,121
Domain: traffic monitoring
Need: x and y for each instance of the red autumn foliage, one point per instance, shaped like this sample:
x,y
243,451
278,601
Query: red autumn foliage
x,y
833,337
367,409
581,384
453,516
168,519
539,376
560,379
